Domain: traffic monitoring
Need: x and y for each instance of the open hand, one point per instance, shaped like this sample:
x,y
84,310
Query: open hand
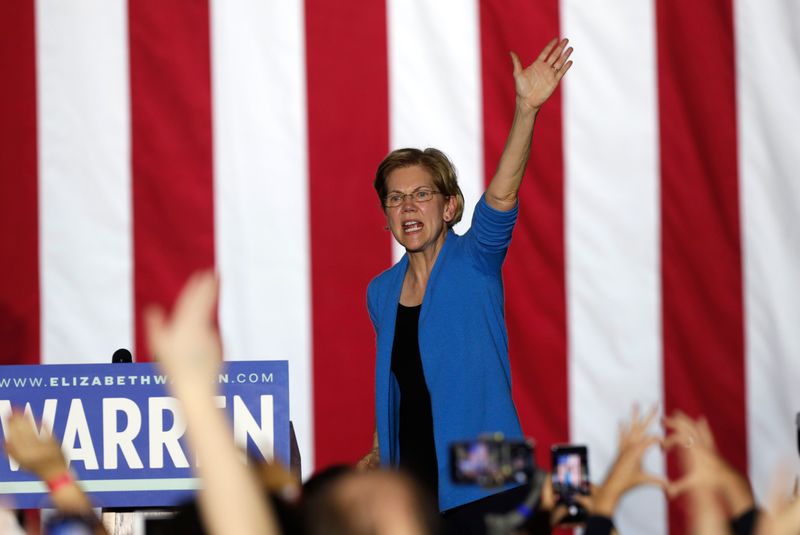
x,y
186,344
704,469
537,82
697,453
36,453
627,471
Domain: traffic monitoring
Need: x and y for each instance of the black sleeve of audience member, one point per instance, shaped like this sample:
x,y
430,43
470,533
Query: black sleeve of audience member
x,y
745,523
538,524
598,525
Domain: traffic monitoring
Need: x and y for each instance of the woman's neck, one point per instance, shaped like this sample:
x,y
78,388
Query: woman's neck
x,y
420,263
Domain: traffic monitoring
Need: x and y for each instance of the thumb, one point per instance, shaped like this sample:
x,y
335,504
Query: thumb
x,y
676,488
650,479
583,501
517,63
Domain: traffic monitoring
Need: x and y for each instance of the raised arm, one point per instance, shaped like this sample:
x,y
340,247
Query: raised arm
x,y
534,85
187,347
42,455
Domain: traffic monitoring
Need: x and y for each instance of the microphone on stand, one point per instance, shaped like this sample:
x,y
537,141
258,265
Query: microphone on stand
x,y
119,515
122,355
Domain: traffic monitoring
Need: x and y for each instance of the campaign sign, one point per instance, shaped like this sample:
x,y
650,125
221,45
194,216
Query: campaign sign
x,y
124,436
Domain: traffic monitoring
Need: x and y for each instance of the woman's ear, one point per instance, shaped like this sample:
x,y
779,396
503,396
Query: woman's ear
x,y
449,208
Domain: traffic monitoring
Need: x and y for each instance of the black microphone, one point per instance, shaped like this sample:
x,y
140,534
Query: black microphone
x,y
122,355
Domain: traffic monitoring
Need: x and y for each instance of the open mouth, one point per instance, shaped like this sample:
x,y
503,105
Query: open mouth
x,y
412,226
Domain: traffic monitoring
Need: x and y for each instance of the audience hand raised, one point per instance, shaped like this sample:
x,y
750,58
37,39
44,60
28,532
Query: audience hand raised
x,y
39,454
702,466
187,344
627,471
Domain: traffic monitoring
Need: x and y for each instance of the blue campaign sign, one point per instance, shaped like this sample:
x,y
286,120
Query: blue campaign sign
x,y
123,434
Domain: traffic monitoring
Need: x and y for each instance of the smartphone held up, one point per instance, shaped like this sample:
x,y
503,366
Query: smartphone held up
x,y
570,476
491,461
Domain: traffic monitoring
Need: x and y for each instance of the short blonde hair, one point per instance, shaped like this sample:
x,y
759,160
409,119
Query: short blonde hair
x,y
435,162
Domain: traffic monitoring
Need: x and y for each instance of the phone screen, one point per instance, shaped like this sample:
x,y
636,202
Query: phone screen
x,y
491,462
570,476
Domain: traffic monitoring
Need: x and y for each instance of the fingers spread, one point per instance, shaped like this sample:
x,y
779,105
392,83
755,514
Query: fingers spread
x,y
650,416
547,49
556,52
563,71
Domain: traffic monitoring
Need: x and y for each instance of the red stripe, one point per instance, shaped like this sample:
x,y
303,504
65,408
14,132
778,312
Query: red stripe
x,y
19,213
534,270
701,251
173,217
348,132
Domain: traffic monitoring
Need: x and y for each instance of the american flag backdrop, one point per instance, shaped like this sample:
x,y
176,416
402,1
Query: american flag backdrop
x,y
656,259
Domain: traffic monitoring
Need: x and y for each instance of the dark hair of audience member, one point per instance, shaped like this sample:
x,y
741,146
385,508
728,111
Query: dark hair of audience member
x,y
325,513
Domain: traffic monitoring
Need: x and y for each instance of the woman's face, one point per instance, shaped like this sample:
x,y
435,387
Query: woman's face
x,y
417,225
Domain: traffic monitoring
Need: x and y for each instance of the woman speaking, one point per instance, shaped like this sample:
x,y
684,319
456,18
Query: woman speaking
x,y
442,370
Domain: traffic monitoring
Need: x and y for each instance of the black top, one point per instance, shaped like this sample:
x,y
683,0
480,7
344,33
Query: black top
x,y
417,447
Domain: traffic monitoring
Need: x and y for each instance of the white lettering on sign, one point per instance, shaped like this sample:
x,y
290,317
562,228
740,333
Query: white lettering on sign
x,y
78,428
114,438
244,425
78,446
161,438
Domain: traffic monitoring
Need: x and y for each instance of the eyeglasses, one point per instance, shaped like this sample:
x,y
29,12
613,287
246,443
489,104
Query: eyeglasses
x,y
393,200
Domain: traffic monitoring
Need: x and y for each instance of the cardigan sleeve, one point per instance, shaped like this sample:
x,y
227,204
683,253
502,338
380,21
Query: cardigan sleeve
x,y
490,235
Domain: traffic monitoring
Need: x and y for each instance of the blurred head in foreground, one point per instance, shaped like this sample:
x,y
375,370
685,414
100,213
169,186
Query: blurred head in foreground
x,y
376,502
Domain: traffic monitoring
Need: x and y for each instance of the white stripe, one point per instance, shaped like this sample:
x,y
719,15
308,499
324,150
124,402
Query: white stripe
x,y
84,179
612,233
261,197
434,87
768,84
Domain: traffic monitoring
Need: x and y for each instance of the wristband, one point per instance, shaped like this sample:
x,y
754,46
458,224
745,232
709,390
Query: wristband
x,y
59,482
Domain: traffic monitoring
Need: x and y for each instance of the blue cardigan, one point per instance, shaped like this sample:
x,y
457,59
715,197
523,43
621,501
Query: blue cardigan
x,y
463,344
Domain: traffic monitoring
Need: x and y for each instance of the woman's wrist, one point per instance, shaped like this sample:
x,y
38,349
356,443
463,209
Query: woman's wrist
x,y
525,110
